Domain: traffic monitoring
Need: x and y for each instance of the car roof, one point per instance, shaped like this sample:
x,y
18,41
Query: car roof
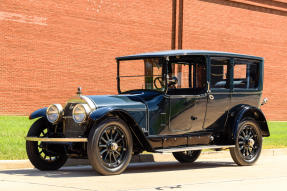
x,y
185,52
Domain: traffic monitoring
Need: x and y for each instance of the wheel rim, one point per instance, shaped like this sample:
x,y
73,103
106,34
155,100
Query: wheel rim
x,y
43,151
112,146
248,142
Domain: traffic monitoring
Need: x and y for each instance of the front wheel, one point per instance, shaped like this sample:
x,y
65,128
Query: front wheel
x,y
186,156
39,153
110,146
248,143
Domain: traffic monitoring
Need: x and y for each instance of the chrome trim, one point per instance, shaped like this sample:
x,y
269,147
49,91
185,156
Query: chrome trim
x,y
208,87
60,113
90,103
46,139
193,148
87,111
211,97
264,101
83,99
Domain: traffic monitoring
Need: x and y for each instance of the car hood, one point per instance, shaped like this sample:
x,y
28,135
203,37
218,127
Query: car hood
x,y
123,100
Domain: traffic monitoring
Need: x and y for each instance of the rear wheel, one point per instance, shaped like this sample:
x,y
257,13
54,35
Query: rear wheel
x,y
40,153
186,156
248,143
110,146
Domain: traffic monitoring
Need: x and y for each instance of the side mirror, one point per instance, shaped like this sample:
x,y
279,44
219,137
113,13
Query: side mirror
x,y
265,100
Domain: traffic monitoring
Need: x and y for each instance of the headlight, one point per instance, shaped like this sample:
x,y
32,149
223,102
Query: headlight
x,y
54,113
81,112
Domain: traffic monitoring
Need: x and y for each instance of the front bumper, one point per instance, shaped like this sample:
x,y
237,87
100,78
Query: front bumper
x,y
64,140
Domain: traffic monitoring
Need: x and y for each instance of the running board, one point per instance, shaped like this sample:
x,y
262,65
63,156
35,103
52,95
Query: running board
x,y
192,148
64,140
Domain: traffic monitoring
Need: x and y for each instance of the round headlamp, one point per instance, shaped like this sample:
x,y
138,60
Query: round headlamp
x,y
54,113
81,112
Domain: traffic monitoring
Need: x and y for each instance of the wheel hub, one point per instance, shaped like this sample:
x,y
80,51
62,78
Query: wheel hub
x,y
251,142
113,146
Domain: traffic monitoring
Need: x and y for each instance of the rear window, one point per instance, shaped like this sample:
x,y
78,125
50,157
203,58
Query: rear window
x,y
245,74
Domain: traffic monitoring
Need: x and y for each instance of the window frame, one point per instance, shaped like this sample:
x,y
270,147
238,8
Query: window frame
x,y
259,73
191,73
192,78
163,70
229,72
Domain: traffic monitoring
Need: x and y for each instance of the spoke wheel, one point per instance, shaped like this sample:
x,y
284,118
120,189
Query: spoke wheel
x,y
43,149
110,146
39,153
113,146
248,143
186,156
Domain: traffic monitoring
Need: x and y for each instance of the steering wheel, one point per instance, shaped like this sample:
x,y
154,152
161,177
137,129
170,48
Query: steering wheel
x,y
160,81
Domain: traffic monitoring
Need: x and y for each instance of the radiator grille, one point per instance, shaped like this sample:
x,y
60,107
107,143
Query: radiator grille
x,y
72,129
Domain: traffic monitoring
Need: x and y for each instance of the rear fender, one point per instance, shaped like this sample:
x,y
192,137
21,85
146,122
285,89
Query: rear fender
x,y
239,113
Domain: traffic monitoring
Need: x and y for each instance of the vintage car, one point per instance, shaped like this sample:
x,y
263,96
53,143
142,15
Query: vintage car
x,y
178,101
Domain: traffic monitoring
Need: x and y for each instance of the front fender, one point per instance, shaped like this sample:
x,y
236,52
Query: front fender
x,y
38,113
139,116
101,112
256,114
133,124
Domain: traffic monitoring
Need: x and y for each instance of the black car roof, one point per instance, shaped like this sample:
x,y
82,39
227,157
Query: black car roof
x,y
185,52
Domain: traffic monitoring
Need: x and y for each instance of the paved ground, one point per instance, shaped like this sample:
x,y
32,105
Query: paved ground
x,y
269,173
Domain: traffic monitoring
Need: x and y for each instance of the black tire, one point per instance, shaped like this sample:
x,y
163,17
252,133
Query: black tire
x,y
248,143
186,156
39,155
110,146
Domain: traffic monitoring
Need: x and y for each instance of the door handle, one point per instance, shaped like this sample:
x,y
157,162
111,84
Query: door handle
x,y
211,97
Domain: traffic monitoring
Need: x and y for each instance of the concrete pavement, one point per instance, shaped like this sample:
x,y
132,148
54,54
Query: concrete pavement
x,y
19,164
270,172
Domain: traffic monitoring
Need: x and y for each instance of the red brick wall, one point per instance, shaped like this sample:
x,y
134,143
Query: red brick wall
x,y
231,25
49,48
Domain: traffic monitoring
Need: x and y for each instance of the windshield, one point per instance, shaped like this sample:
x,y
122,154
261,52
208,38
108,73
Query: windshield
x,y
144,74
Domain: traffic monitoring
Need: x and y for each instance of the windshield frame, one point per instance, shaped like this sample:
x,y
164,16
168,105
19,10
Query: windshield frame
x,y
164,72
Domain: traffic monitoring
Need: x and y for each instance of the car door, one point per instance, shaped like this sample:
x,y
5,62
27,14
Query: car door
x,y
219,94
188,99
187,113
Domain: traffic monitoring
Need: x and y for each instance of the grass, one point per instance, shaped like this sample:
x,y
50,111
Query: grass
x,y
13,129
278,138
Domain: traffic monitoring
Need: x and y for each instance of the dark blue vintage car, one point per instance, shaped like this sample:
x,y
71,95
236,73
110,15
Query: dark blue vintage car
x,y
178,102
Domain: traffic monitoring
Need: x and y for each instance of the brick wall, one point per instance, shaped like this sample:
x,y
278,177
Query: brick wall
x,y
255,27
48,48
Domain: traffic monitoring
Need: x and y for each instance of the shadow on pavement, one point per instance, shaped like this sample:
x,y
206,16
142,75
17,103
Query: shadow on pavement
x,y
82,171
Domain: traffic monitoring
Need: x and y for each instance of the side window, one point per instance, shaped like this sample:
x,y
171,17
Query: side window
x,y
245,74
187,75
183,73
219,73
